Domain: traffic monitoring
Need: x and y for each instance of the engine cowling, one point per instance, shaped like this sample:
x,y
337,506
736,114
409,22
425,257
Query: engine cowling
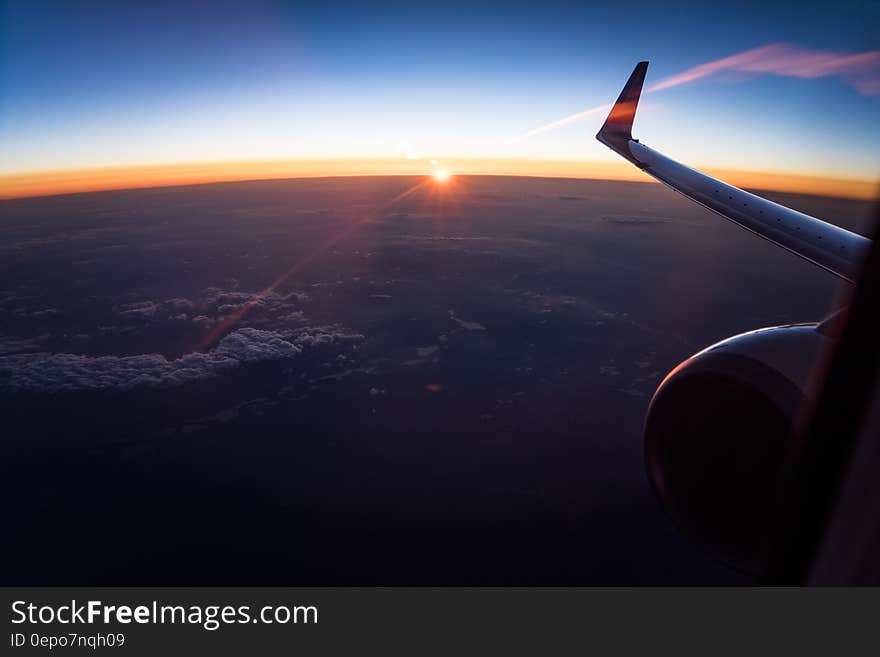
x,y
717,432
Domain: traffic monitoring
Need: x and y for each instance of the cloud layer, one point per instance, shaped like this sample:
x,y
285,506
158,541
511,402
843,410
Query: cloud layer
x,y
65,372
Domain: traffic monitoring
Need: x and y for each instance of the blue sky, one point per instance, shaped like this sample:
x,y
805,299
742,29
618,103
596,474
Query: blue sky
x,y
118,83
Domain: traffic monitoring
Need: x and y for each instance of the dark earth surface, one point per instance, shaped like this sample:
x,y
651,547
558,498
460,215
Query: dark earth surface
x,y
362,380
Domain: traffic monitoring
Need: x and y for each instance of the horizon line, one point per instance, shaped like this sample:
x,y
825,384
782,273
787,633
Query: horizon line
x,y
144,176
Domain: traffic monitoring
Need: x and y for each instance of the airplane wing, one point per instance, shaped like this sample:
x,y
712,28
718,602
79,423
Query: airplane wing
x,y
839,251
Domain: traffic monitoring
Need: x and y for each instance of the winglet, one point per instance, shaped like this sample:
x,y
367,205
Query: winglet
x,y
617,129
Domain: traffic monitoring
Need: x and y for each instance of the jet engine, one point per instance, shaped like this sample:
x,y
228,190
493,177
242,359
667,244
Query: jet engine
x,y
717,432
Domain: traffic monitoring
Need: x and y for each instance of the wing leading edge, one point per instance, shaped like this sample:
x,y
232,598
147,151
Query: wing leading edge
x,y
833,248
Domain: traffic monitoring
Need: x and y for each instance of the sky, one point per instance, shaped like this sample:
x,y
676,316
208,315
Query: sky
x,y
388,87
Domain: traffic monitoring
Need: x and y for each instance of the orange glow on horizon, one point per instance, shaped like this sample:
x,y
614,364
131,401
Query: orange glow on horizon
x,y
46,183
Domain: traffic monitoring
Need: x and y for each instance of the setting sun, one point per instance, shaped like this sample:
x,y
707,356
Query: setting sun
x,y
441,175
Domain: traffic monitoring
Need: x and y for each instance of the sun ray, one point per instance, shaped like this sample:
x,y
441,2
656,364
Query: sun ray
x,y
223,327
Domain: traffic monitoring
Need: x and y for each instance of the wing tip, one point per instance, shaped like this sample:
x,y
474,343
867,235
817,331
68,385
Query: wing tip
x,y
623,112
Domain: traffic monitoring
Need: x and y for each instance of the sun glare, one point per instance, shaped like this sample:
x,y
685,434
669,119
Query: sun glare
x,y
441,175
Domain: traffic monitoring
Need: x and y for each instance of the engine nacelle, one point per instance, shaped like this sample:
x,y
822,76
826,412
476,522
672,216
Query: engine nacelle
x,y
717,431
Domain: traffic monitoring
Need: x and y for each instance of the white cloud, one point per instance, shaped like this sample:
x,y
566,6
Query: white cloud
x,y
178,304
273,330
11,344
139,309
46,372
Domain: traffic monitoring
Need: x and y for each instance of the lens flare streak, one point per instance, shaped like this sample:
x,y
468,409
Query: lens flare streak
x,y
228,322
